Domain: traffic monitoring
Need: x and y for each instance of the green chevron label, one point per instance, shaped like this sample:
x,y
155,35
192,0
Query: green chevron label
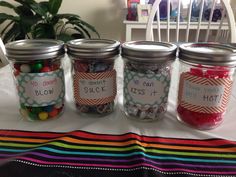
x,y
41,89
146,89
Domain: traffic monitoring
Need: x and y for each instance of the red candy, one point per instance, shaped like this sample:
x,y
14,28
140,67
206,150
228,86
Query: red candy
x,y
53,113
17,66
45,69
16,72
197,72
198,120
55,67
217,74
81,67
203,121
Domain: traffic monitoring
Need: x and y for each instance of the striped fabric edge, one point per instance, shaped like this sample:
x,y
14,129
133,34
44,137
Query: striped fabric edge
x,y
79,149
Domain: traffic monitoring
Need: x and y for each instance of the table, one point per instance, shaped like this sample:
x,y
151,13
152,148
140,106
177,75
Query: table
x,y
75,145
131,25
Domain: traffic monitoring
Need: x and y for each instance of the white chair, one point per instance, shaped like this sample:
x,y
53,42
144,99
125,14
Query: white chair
x,y
223,30
3,58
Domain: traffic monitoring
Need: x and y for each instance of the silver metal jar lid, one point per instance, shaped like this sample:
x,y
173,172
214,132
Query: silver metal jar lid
x,y
93,48
34,49
208,54
149,51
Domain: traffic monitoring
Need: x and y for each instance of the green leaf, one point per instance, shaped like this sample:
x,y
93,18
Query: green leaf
x,y
33,5
6,27
20,36
44,5
28,22
39,9
40,20
4,16
78,26
25,2
55,20
80,32
42,30
54,6
83,29
6,4
8,17
78,36
64,37
84,26
90,27
67,16
24,11
10,35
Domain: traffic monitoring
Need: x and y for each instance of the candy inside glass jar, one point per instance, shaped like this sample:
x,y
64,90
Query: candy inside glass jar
x,y
147,76
94,76
39,77
206,79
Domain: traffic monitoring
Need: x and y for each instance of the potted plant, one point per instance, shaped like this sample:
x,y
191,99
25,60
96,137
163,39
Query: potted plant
x,y
35,20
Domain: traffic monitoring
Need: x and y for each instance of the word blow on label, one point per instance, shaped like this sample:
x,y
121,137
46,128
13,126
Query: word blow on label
x,y
41,89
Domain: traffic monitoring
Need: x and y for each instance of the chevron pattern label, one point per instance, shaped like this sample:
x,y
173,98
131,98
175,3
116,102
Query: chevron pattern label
x,y
95,88
204,95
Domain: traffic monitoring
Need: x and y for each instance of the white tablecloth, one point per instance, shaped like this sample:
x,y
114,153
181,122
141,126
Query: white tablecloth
x,y
115,123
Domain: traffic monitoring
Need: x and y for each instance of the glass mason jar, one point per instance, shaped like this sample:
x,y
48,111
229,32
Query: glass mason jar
x,y
94,76
206,79
147,76
38,76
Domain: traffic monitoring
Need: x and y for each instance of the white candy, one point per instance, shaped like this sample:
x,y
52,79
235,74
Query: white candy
x,y
146,107
25,68
143,115
132,110
152,116
24,113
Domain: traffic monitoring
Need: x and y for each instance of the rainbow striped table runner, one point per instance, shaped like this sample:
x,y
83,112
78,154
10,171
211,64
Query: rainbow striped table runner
x,y
84,154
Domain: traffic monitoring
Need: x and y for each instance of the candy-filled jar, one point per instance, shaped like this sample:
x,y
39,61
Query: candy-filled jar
x,y
206,79
94,76
39,77
147,77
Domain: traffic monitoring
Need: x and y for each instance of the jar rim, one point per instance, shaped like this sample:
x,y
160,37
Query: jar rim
x,y
149,51
34,49
93,48
208,53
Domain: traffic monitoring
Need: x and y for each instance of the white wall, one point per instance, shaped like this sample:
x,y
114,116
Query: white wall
x,y
106,15
233,4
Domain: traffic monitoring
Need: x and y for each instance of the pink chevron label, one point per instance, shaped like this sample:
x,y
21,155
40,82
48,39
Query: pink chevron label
x,y
95,88
204,95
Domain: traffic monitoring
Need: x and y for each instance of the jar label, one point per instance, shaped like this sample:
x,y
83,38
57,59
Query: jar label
x,y
95,88
204,95
41,89
146,89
